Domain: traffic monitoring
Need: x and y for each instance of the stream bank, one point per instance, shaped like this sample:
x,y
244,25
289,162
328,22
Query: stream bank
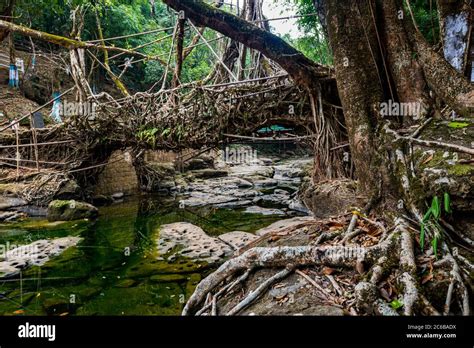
x,y
145,254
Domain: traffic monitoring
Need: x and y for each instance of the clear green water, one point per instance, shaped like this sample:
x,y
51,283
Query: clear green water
x,y
97,277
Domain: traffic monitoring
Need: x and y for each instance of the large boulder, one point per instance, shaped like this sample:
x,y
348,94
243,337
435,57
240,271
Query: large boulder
x,y
71,210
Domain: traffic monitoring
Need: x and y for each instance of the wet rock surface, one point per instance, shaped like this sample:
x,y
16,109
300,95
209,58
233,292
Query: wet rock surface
x,y
71,210
263,184
237,239
183,239
14,260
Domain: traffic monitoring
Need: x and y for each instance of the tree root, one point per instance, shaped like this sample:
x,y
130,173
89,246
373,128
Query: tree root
x,y
393,256
282,256
259,291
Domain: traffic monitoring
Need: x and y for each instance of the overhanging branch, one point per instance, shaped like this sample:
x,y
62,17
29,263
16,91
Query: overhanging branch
x,y
303,70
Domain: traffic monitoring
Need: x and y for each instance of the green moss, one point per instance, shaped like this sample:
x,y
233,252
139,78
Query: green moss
x,y
461,170
168,278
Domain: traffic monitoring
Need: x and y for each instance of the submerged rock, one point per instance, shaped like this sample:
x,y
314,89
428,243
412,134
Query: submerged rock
x,y
71,210
264,211
35,254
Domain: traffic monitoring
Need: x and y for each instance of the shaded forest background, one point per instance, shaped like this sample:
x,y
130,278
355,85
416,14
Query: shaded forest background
x,y
125,17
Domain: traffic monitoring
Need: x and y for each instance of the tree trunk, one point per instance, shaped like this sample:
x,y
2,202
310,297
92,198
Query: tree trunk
x,y
179,52
360,85
407,74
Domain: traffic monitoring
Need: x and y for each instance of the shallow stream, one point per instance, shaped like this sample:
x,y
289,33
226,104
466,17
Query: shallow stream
x,y
115,269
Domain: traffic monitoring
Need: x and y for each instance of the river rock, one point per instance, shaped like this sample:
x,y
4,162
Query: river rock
x,y
11,202
71,210
209,173
237,239
34,254
183,239
69,190
199,163
274,199
9,215
246,171
233,205
199,199
263,211
297,205
283,224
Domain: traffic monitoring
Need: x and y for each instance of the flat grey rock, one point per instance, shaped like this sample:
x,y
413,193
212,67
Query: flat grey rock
x,y
14,260
237,239
190,241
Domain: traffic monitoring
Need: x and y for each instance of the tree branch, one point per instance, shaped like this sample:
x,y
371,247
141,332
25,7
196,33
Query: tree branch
x,y
301,69
67,42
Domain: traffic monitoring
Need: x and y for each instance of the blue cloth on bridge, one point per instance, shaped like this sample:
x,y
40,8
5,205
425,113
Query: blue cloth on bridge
x,y
13,79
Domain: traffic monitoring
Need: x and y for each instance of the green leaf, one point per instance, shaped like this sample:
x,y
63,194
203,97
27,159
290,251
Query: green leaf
x,y
396,304
436,208
427,215
447,203
434,243
166,132
458,125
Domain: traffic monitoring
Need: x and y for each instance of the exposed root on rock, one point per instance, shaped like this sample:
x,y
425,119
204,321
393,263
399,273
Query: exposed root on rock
x,y
388,262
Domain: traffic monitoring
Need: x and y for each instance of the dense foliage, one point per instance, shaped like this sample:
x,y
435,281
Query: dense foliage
x,y
123,17
119,18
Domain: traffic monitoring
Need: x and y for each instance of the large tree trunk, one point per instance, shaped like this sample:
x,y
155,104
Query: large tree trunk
x,y
360,83
407,74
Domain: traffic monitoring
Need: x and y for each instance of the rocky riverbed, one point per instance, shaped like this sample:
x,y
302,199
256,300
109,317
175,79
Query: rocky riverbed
x,y
142,255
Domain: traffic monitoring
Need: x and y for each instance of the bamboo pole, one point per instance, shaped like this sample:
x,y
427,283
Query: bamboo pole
x,y
67,42
37,144
17,155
